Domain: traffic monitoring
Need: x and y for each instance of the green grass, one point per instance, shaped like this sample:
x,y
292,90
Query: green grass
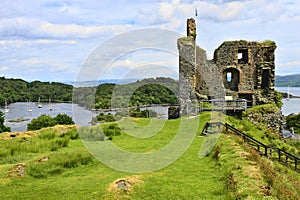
x,y
71,172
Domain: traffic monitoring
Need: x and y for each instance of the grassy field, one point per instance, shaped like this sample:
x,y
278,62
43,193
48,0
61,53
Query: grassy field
x,y
53,163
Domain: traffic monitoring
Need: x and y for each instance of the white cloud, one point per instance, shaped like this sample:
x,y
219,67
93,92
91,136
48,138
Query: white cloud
x,y
3,68
28,28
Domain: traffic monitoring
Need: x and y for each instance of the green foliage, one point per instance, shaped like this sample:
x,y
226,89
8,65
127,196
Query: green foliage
x,y
138,113
47,121
269,43
19,90
263,109
41,122
146,92
111,130
293,121
105,117
63,119
278,99
3,128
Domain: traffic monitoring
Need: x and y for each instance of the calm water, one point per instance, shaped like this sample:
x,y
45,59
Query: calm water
x,y
293,105
82,116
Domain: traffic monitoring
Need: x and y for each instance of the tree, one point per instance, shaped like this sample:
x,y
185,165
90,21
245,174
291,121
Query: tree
x,y
41,122
63,119
3,128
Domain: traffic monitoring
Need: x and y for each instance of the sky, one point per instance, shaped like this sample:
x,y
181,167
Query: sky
x,y
55,40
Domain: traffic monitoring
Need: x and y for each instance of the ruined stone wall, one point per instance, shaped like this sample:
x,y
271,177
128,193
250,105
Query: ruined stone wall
x,y
255,68
187,74
250,66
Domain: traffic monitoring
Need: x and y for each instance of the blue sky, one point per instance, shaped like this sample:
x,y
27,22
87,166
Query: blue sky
x,y
52,40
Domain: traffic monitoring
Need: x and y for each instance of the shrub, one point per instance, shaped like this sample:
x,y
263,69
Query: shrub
x,y
111,130
41,122
63,119
47,121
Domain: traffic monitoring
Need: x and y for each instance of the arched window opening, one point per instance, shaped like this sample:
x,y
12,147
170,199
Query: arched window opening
x,y
231,79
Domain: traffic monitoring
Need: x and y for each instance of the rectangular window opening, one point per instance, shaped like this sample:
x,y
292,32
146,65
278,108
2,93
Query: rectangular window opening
x,y
243,56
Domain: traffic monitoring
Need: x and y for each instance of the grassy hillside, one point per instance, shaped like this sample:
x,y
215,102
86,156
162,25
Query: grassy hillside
x,y
54,164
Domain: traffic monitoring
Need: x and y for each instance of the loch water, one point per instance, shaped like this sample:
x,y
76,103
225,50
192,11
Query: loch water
x,y
83,117
293,104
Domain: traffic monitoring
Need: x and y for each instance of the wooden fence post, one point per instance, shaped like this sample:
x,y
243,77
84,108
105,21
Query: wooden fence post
x,y
266,151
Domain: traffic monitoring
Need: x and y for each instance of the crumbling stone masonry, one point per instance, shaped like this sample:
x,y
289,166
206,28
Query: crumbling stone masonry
x,y
240,69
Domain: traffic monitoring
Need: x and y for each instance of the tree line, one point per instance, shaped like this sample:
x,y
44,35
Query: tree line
x,y
145,92
105,96
18,90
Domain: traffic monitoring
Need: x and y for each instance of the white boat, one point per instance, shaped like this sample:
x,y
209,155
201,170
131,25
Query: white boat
x,y
39,103
6,110
29,106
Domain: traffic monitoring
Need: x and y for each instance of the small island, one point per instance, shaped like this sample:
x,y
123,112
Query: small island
x,y
19,119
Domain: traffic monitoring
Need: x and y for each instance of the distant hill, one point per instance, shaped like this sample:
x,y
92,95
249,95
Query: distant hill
x,y
18,90
288,80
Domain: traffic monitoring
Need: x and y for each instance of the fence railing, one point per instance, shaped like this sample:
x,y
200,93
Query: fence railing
x,y
223,105
263,149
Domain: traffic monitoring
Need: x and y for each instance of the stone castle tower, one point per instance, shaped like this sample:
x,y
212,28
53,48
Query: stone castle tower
x,y
240,69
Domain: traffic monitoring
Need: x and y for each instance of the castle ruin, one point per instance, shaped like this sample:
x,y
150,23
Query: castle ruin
x,y
239,70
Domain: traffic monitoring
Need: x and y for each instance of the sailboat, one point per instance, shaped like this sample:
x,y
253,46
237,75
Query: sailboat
x,y
39,103
6,110
288,94
50,104
29,107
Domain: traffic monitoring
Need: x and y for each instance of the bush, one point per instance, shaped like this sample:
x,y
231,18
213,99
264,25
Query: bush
x,y
63,119
105,118
41,122
111,130
47,121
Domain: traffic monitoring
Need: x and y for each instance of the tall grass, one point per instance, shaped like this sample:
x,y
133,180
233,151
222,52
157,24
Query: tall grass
x,y
57,162
12,151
